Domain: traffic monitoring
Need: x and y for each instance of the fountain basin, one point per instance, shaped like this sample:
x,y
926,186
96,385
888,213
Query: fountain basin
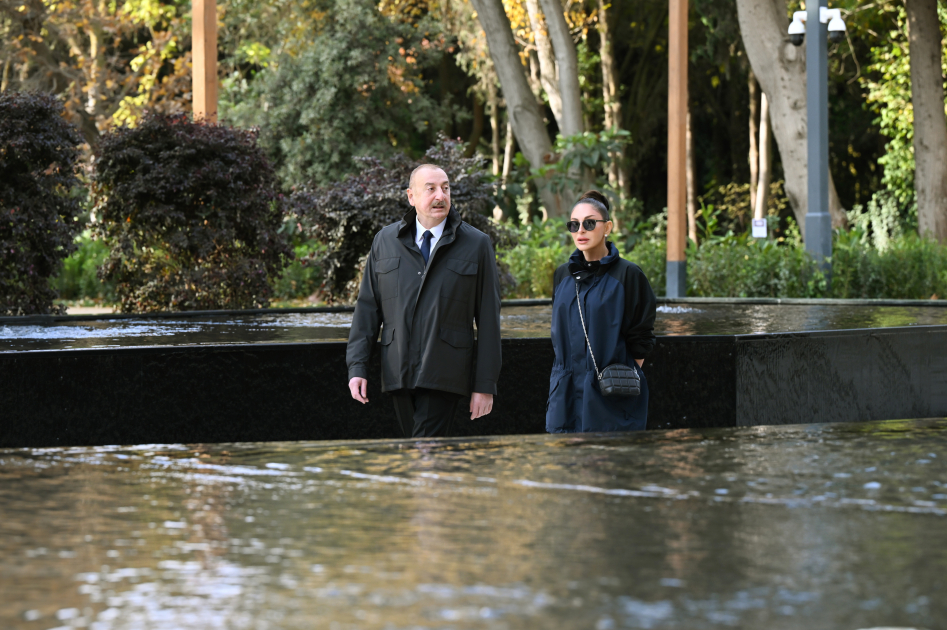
x,y
264,389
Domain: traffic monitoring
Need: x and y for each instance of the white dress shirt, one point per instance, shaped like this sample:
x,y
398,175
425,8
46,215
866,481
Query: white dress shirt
x,y
436,232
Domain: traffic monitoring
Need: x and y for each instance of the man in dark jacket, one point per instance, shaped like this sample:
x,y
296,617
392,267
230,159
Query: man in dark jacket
x,y
427,280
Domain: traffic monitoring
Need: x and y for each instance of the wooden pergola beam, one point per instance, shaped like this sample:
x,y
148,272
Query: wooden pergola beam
x,y
204,59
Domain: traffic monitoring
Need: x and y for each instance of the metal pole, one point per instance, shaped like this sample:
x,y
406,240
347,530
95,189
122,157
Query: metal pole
x,y
204,59
818,229
677,150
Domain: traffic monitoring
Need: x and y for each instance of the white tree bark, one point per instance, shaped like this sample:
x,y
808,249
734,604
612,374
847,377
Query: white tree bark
x,y
522,108
567,62
691,181
766,160
548,74
754,156
780,69
930,124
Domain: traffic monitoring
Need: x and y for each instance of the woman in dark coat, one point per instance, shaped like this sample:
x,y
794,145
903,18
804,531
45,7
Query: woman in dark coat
x,y
619,309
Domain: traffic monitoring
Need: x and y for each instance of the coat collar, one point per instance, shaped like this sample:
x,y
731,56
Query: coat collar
x,y
406,229
581,270
407,222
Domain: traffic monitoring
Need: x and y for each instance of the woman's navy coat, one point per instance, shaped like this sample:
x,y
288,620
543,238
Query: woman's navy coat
x,y
619,309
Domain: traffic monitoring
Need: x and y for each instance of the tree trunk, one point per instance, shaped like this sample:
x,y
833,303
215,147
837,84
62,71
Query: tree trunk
x,y
5,80
691,182
494,105
508,152
780,69
567,62
766,161
548,74
477,132
930,124
616,174
754,157
522,108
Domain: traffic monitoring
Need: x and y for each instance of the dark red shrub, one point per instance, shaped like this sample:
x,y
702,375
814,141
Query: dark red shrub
x,y
39,200
192,215
346,215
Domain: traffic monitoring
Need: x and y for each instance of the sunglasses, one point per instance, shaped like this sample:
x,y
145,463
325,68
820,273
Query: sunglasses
x,y
588,224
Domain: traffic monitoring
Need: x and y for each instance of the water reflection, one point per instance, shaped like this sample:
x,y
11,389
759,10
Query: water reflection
x,y
829,526
516,321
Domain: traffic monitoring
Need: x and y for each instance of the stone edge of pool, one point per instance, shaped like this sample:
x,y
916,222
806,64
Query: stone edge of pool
x,y
46,319
297,391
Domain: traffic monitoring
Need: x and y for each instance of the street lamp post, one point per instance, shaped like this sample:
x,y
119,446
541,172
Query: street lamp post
x,y
818,230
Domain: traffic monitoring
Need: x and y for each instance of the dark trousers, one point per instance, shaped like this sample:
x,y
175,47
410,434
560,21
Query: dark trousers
x,y
425,412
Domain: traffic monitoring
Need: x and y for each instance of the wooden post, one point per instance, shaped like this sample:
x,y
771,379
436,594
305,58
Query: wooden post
x,y
204,59
677,149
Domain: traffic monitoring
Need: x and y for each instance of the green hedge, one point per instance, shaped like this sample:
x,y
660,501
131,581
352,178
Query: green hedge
x,y
908,268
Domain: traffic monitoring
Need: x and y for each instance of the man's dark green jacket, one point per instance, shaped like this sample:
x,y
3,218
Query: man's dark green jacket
x,y
428,311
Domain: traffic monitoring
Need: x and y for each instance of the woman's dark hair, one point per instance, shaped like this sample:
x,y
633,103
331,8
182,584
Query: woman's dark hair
x,y
597,200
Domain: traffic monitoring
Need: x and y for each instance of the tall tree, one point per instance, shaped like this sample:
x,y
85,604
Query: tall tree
x,y
930,123
522,108
567,65
780,69
612,104
548,72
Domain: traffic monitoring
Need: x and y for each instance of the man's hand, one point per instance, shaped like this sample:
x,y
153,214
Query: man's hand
x,y
359,388
480,405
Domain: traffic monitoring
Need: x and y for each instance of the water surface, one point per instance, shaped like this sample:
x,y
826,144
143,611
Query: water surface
x,y
815,527
516,321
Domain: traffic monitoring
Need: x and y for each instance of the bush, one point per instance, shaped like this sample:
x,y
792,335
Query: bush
x,y
346,216
541,248
302,277
909,267
78,279
39,200
737,266
191,214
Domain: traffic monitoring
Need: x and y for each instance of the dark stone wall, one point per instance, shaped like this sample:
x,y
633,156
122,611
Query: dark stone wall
x,y
842,376
238,393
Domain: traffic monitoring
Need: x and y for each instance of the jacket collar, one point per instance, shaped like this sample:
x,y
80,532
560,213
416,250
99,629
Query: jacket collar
x,y
407,222
406,229
581,270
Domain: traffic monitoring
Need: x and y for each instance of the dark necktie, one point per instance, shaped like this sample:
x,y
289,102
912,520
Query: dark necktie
x,y
426,245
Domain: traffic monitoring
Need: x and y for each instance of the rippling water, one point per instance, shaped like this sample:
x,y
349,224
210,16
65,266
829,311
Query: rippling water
x,y
820,526
516,321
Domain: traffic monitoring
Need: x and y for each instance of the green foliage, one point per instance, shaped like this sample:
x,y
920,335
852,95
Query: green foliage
x,y
78,279
888,87
890,96
353,87
582,155
191,215
739,266
39,199
881,222
727,208
346,215
302,277
909,267
540,249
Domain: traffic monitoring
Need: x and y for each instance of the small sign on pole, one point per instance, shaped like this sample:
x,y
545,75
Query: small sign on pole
x,y
759,228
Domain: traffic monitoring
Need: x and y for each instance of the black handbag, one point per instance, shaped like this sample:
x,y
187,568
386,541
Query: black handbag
x,y
616,379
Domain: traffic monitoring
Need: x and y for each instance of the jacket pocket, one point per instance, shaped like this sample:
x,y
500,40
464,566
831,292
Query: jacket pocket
x,y
386,272
457,338
460,284
387,334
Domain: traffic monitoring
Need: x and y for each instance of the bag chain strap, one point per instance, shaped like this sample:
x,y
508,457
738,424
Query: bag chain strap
x,y
587,342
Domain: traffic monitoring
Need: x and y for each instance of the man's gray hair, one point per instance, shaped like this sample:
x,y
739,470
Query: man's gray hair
x,y
420,168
